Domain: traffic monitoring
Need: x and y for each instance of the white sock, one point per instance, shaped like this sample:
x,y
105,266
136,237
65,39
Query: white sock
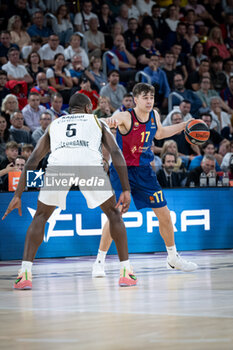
x,y
101,256
26,265
125,264
172,252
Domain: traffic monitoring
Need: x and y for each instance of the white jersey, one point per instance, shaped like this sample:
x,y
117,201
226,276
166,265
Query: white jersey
x,y
76,139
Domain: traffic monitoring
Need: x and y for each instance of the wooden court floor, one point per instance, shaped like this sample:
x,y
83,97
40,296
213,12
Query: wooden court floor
x,y
68,310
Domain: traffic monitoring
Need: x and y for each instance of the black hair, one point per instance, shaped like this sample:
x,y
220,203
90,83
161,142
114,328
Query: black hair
x,y
168,154
79,101
3,72
113,71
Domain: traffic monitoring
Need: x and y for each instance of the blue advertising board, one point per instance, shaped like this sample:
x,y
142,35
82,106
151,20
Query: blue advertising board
x,y
202,218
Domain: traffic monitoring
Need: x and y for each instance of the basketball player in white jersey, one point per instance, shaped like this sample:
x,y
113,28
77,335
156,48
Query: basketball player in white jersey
x,y
75,140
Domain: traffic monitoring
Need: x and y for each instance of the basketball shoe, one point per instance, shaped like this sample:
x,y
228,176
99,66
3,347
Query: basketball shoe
x,y
127,278
98,269
181,264
23,281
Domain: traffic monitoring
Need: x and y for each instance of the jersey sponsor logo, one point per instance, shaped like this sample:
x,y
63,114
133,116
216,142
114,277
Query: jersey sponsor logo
x,y
134,149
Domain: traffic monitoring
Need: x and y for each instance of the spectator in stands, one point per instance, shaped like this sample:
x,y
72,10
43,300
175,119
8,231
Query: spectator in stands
x,y
158,76
19,36
123,17
5,135
9,105
3,90
33,67
131,35
179,61
20,9
17,129
206,94
132,9
32,111
93,95
95,38
215,39
127,61
60,78
144,52
75,49
45,120
207,148
81,19
127,103
7,183
35,46
228,68
144,7
229,41
113,90
11,152
221,120
50,50
95,74
217,76
116,30
104,108
16,71
215,137
195,77
227,157
227,93
35,5
177,37
56,106
52,5
38,28
170,146
182,93
26,150
171,18
43,89
106,22
207,166
190,36
5,46
168,67
196,56
76,69
183,108
159,26
225,26
64,26
166,176
202,16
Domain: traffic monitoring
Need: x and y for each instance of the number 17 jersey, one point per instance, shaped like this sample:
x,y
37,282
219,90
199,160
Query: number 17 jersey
x,y
136,144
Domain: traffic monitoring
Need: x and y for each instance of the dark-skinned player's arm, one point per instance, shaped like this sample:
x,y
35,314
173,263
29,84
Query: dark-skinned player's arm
x,y
167,131
40,151
119,163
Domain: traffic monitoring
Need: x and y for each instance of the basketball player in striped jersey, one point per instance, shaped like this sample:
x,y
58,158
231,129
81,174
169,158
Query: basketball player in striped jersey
x,y
136,129
75,140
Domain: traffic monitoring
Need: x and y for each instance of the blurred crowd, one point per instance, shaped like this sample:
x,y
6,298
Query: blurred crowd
x,y
49,49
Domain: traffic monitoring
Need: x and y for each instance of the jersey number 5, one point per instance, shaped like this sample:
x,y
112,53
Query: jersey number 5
x,y
71,130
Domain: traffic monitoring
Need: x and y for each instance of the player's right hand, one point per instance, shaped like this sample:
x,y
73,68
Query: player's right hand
x,y
112,122
124,202
14,204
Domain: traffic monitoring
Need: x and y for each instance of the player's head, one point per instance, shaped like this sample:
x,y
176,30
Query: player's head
x,y
80,103
144,96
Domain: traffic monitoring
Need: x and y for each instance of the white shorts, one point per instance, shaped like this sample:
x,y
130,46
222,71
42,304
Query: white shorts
x,y
94,197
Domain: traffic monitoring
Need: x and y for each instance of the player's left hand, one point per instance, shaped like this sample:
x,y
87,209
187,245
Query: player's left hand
x,y
14,204
124,202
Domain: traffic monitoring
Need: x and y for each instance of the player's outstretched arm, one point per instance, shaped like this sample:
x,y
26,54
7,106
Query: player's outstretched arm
x,y
167,131
41,149
119,163
119,119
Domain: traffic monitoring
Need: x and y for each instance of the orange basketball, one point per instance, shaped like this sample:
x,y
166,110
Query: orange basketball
x,y
196,132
